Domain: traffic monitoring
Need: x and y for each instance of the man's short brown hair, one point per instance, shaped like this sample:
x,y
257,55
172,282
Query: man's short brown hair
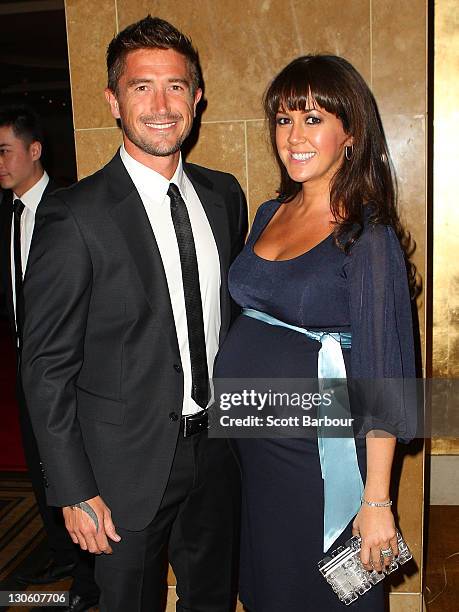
x,y
150,33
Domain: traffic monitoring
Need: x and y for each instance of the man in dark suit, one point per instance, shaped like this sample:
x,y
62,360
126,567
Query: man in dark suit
x,y
26,182
126,302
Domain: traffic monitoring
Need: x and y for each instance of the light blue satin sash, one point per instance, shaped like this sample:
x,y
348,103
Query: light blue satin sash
x,y
343,486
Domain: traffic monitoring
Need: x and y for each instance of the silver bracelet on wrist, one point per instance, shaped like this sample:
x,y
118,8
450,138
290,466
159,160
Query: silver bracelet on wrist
x,y
385,504
89,511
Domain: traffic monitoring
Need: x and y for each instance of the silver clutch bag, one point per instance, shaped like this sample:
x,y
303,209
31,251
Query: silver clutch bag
x,y
343,570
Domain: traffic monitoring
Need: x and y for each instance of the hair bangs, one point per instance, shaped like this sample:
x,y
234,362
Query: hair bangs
x,y
305,85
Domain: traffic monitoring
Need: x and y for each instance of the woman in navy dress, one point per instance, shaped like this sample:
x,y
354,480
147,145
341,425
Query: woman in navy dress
x,y
325,257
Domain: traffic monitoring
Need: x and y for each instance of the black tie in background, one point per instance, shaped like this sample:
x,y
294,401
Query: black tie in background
x,y
193,304
18,208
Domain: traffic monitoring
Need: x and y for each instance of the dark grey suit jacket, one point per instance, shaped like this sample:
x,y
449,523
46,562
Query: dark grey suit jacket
x,y
101,364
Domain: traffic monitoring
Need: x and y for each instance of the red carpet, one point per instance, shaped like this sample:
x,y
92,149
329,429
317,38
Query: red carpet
x,y
11,453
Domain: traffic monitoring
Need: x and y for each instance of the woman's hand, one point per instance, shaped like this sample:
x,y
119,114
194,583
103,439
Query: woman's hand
x,y
376,527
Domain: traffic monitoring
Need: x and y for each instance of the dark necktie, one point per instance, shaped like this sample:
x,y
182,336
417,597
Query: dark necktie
x,y
18,209
193,304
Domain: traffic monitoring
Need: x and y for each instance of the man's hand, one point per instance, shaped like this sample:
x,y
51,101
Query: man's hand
x,y
90,525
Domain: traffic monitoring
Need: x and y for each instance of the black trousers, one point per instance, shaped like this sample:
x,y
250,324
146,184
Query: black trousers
x,y
196,528
62,549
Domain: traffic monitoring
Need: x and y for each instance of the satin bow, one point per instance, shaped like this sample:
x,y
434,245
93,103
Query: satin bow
x,y
343,485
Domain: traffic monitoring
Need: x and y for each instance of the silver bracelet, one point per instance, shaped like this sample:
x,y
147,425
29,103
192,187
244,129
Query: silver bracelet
x,y
385,504
89,511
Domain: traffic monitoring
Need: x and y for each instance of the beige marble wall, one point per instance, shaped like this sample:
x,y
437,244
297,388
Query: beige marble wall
x,y
242,44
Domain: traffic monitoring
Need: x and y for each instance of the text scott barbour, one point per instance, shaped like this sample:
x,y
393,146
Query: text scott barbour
x,y
291,421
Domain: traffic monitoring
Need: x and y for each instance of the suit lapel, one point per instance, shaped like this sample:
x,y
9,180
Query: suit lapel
x,y
129,214
50,187
215,210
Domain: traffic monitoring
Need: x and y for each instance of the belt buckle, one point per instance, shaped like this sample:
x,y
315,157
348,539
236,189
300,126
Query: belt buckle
x,y
194,423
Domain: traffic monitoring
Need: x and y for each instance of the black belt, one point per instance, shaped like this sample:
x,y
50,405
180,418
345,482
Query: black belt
x,y
192,424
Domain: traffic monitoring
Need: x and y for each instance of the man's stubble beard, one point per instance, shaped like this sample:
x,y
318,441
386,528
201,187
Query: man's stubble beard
x,y
158,150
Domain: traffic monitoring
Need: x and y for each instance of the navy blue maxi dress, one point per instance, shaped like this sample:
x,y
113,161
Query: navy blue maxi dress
x,y
364,292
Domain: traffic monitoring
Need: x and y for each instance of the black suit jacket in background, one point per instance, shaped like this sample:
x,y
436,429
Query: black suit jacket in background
x,y
101,363
3,238
6,215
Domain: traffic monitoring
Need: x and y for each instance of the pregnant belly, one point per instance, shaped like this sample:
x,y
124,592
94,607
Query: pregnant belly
x,y
253,349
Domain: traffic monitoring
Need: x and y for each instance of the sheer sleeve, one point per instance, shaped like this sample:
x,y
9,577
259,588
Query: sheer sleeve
x,y
382,354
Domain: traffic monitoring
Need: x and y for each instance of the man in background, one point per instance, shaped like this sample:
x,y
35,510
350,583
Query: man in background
x,y
25,183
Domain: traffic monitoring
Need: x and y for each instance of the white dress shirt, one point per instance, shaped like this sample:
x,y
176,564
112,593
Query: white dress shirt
x,y
31,200
152,188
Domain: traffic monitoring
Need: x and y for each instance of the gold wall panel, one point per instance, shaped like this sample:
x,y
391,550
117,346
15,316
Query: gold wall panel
x,y
399,55
94,148
446,211
405,602
409,509
89,30
406,135
339,28
262,169
222,146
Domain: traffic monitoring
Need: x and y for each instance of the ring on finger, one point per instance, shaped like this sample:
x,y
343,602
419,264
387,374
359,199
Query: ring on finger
x,y
387,552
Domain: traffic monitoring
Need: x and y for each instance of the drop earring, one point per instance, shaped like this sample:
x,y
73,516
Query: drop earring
x,y
349,152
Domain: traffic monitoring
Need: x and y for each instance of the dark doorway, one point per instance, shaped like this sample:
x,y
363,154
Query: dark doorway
x,y
34,70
